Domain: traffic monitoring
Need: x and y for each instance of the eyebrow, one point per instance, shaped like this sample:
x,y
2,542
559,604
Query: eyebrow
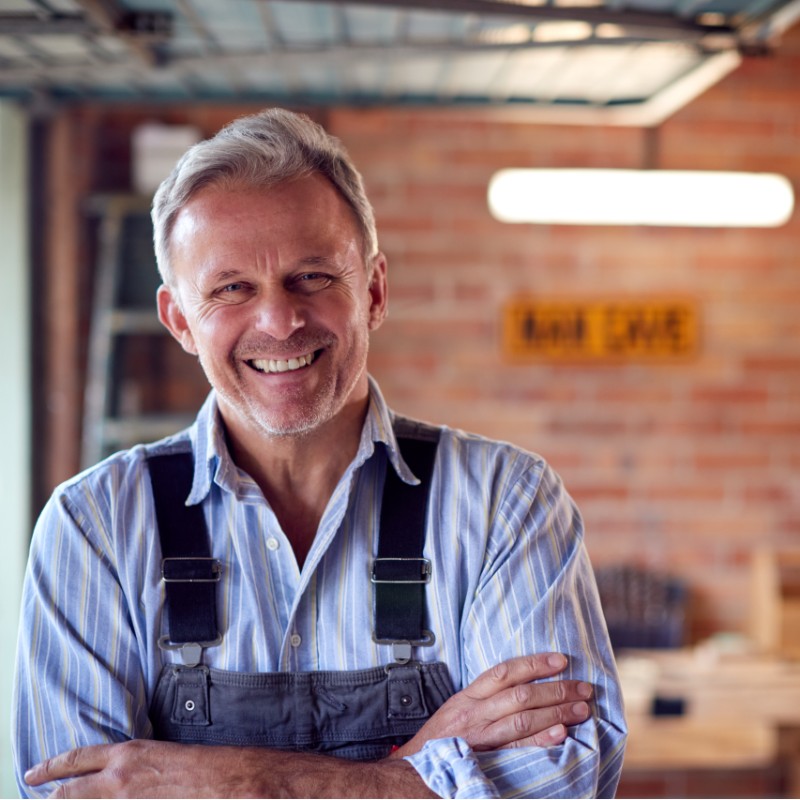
x,y
225,274
316,261
211,277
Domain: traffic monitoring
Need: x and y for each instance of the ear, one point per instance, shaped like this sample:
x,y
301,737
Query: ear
x,y
172,318
378,292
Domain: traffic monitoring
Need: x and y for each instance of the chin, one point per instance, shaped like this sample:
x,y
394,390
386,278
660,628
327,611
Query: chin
x,y
284,425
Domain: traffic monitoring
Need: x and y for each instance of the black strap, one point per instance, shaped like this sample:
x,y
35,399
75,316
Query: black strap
x,y
400,572
190,574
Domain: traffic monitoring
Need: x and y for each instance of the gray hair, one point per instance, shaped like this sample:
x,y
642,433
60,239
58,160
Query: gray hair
x,y
260,151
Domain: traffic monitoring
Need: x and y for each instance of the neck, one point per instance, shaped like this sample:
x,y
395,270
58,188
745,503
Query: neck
x,y
298,474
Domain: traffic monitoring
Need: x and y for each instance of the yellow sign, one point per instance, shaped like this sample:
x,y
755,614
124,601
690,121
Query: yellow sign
x,y
628,329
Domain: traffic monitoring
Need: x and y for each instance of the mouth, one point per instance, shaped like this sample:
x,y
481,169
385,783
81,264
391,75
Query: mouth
x,y
275,365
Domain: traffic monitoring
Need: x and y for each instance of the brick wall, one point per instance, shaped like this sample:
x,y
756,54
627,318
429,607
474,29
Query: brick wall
x,y
685,467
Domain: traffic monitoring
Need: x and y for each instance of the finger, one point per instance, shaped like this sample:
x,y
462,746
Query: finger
x,y
549,738
521,669
528,696
68,764
86,787
543,727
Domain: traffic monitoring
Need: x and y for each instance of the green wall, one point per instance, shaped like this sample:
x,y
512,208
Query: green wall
x,y
15,405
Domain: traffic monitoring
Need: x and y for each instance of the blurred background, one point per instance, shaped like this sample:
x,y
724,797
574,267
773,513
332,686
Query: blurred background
x,y
655,364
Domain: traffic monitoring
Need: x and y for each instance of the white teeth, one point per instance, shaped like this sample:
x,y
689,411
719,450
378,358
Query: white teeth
x,y
279,365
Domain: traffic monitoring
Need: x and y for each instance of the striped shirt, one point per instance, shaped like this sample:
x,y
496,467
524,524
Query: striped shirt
x,y
510,576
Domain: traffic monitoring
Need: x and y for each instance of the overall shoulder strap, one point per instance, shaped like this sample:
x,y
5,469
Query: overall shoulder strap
x,y
400,572
188,571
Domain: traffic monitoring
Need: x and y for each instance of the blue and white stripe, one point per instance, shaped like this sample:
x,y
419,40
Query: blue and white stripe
x,y
511,576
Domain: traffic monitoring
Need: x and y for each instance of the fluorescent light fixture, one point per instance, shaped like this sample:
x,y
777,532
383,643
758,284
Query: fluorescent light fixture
x,y
506,34
608,30
562,31
641,197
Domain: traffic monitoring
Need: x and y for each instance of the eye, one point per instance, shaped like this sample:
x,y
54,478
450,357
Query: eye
x,y
233,292
312,281
231,287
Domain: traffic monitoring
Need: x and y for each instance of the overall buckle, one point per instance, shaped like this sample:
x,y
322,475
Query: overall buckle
x,y
191,652
191,569
401,648
194,570
401,570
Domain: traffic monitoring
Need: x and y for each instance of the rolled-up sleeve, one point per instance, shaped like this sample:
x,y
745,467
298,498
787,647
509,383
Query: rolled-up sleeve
x,y
78,678
536,594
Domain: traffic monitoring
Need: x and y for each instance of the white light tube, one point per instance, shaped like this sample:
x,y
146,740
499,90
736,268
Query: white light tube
x,y
640,197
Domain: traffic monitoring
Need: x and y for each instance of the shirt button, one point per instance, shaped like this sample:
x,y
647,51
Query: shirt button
x,y
273,543
296,640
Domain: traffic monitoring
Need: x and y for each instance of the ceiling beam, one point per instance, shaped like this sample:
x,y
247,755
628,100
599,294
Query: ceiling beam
x,y
12,24
285,58
141,31
764,32
595,15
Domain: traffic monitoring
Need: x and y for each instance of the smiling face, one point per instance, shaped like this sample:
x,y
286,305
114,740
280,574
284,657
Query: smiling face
x,y
271,292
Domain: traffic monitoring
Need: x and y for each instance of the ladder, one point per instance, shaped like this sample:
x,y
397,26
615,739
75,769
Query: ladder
x,y
124,310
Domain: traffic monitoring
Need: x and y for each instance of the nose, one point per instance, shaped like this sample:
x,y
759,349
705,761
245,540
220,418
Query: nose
x,y
279,313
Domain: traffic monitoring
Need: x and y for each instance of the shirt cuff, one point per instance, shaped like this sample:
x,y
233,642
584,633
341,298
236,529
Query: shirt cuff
x,y
450,769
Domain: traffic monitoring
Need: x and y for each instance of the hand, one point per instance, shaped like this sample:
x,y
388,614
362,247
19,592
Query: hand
x,y
146,768
139,768
502,708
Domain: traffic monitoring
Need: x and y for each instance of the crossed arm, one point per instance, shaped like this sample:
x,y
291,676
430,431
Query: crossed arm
x,y
477,742
505,707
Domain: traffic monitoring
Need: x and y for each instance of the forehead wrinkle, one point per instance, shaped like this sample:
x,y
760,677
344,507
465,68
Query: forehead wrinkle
x,y
267,252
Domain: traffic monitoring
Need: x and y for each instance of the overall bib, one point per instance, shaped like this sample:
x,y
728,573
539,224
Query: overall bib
x,y
358,714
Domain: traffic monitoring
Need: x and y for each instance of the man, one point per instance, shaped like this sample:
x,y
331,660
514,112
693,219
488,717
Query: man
x,y
308,493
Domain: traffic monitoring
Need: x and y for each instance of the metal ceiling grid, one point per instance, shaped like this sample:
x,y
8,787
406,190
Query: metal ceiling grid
x,y
621,57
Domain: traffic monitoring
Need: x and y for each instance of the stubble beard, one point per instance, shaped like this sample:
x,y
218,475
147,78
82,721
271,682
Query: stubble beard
x,y
307,413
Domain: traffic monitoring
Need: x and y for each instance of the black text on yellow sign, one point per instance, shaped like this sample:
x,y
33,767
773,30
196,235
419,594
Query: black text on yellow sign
x,y
600,330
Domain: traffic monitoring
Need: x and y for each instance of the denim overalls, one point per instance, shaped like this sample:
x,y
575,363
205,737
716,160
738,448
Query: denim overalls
x,y
359,714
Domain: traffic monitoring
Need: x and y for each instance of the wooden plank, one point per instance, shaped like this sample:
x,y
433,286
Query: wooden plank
x,y
688,743
63,273
736,708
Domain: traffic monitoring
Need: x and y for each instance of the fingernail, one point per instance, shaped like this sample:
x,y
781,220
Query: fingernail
x,y
580,709
557,661
584,689
557,733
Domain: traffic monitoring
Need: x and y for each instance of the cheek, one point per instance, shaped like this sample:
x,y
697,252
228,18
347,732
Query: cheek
x,y
207,339
214,326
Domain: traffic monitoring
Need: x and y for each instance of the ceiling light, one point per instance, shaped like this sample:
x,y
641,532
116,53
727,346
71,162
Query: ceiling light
x,y
608,30
506,34
562,31
640,197
578,3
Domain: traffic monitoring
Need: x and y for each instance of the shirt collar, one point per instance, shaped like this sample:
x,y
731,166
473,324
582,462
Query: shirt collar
x,y
209,447
379,427
213,462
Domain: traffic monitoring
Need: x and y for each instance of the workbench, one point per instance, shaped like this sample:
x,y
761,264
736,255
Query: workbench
x,y
731,710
